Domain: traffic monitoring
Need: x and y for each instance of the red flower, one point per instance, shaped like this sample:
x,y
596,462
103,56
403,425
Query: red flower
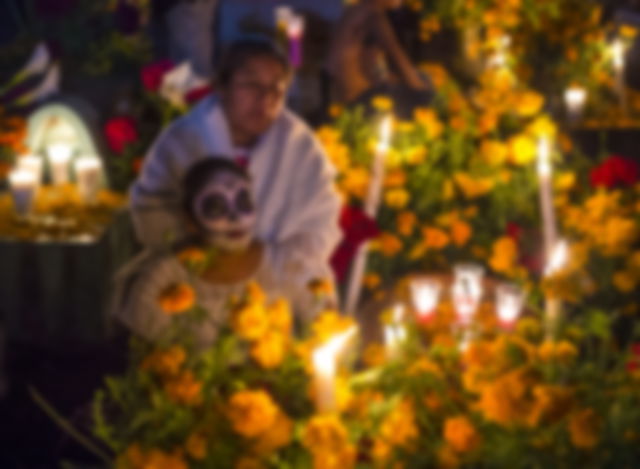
x,y
153,73
514,231
615,170
357,227
197,94
120,132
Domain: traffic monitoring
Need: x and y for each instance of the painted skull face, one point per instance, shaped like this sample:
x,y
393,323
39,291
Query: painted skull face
x,y
224,210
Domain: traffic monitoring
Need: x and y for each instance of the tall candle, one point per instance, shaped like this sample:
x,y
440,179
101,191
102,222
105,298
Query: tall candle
x,y
575,98
324,370
617,53
545,171
425,293
23,185
59,156
32,163
395,333
295,31
88,171
371,205
467,290
553,306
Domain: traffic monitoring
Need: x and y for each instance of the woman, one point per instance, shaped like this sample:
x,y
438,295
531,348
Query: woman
x,y
219,211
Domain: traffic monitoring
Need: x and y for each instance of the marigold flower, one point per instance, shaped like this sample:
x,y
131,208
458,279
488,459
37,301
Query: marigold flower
x,y
504,255
374,355
276,436
460,232
472,187
584,426
177,299
279,316
184,389
406,222
389,244
196,446
382,103
250,321
321,287
429,120
269,350
396,198
551,403
325,434
435,238
330,323
252,412
399,426
460,434
165,362
192,256
356,182
529,103
493,152
372,280
523,150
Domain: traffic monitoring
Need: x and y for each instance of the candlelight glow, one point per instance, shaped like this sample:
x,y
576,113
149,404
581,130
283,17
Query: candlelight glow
x,y
385,134
544,157
558,258
467,290
425,293
295,26
509,302
617,54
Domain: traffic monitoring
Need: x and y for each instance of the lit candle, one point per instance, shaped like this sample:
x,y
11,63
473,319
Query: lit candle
x,y
59,156
88,177
425,293
32,163
575,98
509,302
467,290
295,31
617,55
283,13
557,259
324,370
371,208
23,188
395,333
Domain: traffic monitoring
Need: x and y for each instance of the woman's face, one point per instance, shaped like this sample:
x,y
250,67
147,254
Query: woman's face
x,y
224,211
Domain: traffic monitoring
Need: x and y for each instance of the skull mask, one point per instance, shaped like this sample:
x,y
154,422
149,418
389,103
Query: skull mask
x,y
224,210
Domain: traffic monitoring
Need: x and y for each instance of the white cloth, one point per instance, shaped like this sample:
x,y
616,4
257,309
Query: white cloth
x,y
297,205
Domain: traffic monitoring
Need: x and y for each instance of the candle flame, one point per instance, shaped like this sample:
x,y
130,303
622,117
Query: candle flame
x,y
575,95
385,133
558,258
324,357
617,52
544,157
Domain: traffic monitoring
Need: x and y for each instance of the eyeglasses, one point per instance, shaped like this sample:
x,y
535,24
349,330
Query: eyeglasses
x,y
258,90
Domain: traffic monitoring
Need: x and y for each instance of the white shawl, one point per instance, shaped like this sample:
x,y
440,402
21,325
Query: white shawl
x,y
297,205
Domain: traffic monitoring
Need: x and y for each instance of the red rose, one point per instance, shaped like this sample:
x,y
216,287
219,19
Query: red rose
x,y
153,73
197,94
357,227
615,170
120,132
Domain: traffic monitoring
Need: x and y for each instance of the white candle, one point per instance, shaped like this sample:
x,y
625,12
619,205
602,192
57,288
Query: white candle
x,y
425,293
395,333
545,171
59,156
509,303
88,171
324,370
23,188
295,31
467,290
557,259
617,57
575,98
371,208
32,163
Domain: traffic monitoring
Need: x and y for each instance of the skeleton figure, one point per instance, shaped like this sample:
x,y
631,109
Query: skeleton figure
x,y
224,211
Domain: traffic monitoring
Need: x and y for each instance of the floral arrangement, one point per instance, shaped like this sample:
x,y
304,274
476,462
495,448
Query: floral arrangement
x,y
447,395
59,213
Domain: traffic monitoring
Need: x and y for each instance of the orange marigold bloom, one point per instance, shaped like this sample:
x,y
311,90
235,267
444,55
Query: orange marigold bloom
x,y
389,244
184,389
435,238
321,287
177,299
584,427
460,232
269,350
196,446
429,120
250,321
252,412
461,435
406,222
372,280
165,362
504,255
276,436
279,316
192,256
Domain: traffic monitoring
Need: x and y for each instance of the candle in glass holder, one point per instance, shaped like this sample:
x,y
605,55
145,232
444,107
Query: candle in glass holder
x,y
467,290
88,171
32,163
509,303
295,31
425,293
59,156
575,98
617,53
23,185
324,370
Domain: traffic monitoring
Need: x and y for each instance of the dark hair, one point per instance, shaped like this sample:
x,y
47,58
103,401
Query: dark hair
x,y
200,173
240,52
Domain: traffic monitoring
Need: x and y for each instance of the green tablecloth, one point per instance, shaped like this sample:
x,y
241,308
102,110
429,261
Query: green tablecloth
x,y
59,291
